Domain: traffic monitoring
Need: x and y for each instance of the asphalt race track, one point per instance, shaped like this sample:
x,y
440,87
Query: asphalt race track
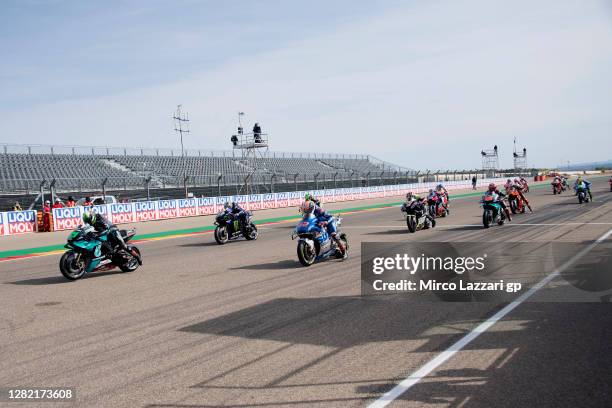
x,y
245,325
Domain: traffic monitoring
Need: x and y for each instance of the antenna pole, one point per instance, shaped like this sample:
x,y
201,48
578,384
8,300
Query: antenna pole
x,y
181,125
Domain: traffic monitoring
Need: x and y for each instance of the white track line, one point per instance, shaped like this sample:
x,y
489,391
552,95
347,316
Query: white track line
x,y
441,358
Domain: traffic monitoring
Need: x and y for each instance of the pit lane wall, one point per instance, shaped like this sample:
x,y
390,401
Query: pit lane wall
x,y
23,222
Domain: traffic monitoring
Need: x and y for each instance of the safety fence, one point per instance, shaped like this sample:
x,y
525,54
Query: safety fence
x,y
22,222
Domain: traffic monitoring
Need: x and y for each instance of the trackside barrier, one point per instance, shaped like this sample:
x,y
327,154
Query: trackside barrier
x,y
19,222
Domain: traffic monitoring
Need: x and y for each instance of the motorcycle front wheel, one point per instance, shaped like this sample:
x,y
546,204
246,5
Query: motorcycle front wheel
x,y
221,235
72,266
251,232
411,223
487,218
132,263
305,254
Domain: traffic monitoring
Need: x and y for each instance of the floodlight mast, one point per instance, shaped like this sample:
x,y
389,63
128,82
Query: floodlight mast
x,y
181,125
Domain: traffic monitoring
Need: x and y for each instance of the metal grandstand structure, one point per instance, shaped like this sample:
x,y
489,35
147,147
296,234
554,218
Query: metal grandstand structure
x,y
490,159
520,158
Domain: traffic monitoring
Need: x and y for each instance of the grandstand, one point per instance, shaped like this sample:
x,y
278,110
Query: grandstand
x,y
25,168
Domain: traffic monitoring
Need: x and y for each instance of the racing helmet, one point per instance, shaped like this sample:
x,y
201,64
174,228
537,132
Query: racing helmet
x,y
409,195
492,187
308,197
89,217
307,207
227,205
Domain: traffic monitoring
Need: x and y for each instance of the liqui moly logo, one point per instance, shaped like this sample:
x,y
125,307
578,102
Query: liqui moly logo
x,y
122,213
282,200
146,211
269,201
255,202
167,209
66,218
294,198
330,196
206,205
20,222
187,207
2,229
224,199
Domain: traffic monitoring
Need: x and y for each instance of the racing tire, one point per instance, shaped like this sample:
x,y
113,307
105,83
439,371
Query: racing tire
x,y
132,263
487,218
250,232
513,206
70,266
581,197
344,240
305,255
221,235
411,223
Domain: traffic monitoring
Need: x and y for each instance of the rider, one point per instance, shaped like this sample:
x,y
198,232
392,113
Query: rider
x,y
324,219
235,211
410,196
442,191
101,224
519,187
498,195
584,183
524,183
310,197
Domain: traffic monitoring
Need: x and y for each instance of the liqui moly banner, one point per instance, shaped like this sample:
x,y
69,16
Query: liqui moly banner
x,y
167,209
330,195
295,198
145,211
187,207
206,205
242,200
67,218
122,213
17,222
283,199
269,201
222,200
255,202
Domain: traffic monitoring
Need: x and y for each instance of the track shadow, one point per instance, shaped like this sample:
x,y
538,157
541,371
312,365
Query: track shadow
x,y
398,231
59,279
463,228
200,244
284,264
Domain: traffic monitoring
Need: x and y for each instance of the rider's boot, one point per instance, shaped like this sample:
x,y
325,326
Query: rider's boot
x,y
340,245
590,194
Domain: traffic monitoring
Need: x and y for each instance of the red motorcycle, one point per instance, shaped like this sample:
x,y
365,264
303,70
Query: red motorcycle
x,y
515,201
438,205
557,187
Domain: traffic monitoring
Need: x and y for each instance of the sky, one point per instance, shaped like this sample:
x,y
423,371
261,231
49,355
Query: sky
x,y
423,84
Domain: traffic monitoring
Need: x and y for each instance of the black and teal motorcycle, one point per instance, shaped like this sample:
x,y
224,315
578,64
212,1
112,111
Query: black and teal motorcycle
x,y
89,251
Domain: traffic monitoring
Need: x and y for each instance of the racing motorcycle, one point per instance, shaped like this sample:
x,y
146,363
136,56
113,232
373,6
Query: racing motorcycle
x,y
89,251
583,195
314,243
492,211
515,201
416,218
557,187
436,205
229,228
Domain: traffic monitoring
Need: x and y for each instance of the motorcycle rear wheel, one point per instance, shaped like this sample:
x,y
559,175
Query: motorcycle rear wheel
x,y
71,267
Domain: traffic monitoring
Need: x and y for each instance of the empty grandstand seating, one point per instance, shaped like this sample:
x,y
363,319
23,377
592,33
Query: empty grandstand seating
x,y
25,171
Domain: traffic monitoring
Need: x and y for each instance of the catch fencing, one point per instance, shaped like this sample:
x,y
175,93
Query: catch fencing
x,y
21,222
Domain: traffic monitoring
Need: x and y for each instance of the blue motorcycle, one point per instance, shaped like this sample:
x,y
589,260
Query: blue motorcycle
x,y
89,251
314,243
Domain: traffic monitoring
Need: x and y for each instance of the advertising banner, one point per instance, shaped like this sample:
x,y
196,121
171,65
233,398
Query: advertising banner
x,y
2,229
167,209
282,200
295,198
145,210
18,222
206,205
67,218
255,202
269,201
122,213
187,207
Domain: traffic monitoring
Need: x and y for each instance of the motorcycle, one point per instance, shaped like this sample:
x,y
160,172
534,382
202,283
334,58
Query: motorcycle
x,y
229,228
314,243
492,211
436,205
89,252
515,201
557,187
415,217
582,193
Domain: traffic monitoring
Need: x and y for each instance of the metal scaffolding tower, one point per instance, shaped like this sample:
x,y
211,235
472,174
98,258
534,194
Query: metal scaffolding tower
x,y
520,158
490,159
253,148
